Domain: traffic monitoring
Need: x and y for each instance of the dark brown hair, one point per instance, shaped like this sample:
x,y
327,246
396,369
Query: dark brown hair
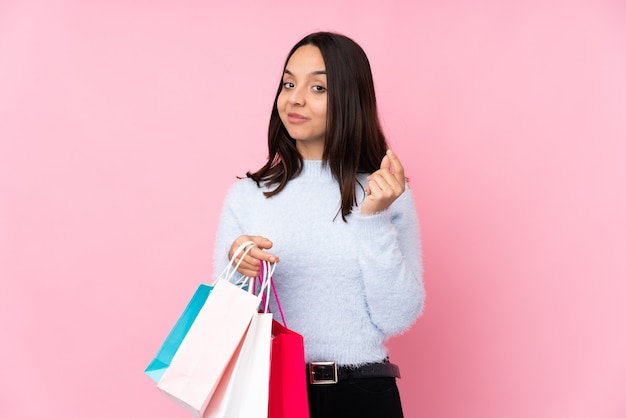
x,y
354,141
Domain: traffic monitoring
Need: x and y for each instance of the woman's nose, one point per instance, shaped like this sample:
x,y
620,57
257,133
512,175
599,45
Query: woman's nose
x,y
297,97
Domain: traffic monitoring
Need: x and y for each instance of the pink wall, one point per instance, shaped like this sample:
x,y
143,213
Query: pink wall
x,y
122,124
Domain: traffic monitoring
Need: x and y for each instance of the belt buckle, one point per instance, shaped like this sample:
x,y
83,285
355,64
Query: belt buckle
x,y
323,373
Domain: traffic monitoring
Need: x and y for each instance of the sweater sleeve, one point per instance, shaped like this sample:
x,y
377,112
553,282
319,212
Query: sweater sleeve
x,y
228,229
390,257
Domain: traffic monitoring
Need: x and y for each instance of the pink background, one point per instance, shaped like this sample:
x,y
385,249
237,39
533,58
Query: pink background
x,y
123,123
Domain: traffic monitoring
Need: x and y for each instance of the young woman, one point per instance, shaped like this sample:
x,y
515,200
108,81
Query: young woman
x,y
332,206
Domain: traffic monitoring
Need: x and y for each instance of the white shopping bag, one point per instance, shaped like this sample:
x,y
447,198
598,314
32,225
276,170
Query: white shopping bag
x,y
243,391
244,388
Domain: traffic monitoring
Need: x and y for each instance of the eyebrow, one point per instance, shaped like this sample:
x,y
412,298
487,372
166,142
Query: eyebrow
x,y
318,72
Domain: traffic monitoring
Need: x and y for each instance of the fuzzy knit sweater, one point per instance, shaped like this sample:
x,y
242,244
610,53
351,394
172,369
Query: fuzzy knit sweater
x,y
346,287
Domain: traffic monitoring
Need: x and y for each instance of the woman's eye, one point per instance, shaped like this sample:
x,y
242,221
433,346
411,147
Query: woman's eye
x,y
319,89
288,85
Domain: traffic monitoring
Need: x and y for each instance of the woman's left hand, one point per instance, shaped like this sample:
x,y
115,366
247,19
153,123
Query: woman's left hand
x,y
384,185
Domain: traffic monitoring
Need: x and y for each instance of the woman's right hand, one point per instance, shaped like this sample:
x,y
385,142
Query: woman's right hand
x,y
250,266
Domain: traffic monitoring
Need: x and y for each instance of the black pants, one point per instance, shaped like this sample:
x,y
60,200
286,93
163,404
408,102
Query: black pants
x,y
374,397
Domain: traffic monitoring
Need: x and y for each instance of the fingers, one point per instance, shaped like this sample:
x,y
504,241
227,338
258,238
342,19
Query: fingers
x,y
385,185
250,265
378,184
396,167
257,254
389,180
249,272
385,164
261,242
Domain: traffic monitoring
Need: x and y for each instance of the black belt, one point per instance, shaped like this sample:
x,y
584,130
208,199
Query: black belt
x,y
327,372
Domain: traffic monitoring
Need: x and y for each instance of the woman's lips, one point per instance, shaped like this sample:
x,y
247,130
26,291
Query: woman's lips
x,y
296,118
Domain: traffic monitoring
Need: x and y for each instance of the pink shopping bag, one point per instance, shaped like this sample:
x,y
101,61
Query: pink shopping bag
x,y
288,390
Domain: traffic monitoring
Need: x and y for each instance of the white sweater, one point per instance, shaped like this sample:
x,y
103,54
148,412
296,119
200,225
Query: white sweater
x,y
346,287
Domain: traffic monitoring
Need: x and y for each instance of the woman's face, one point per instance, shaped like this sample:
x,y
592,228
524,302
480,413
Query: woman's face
x,y
302,101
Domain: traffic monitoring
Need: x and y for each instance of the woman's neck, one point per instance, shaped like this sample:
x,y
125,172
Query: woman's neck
x,y
310,150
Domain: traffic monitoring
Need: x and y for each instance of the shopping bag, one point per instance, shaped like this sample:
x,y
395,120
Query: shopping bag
x,y
164,356
166,352
288,396
204,354
244,387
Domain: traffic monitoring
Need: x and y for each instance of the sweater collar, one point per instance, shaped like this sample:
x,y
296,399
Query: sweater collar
x,y
315,169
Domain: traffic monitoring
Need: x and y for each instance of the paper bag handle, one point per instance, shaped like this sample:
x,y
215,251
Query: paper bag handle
x,y
227,274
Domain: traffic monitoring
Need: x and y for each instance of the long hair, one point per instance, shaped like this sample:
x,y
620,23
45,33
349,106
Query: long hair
x,y
354,141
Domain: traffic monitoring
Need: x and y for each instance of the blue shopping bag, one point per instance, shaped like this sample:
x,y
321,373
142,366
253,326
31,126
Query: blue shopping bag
x,y
164,356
